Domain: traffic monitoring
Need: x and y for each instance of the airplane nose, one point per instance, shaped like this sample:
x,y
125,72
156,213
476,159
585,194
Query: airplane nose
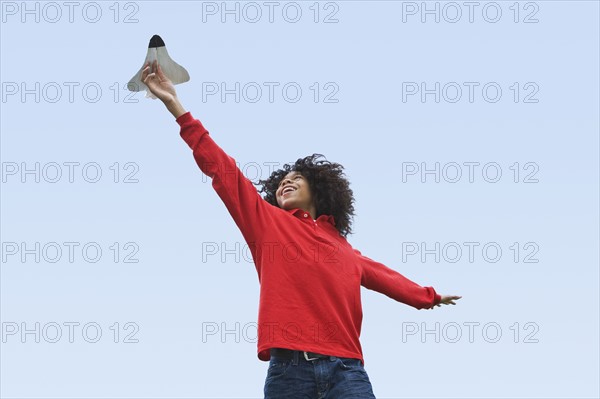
x,y
156,41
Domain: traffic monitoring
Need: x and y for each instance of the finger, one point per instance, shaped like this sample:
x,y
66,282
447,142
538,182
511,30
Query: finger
x,y
161,74
151,76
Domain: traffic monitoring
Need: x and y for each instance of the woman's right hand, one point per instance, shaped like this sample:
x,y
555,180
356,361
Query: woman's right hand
x,y
158,83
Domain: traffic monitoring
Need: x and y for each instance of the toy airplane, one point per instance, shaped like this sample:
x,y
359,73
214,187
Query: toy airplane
x,y
157,51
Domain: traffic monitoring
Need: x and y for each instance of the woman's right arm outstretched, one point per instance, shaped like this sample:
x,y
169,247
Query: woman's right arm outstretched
x,y
241,198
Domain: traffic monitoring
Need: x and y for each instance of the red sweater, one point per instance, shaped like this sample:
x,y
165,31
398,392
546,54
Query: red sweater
x,y
310,276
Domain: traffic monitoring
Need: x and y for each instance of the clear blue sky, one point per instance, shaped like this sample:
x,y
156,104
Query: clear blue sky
x,y
88,167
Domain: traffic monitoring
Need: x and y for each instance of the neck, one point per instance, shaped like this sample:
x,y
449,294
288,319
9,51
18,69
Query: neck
x,y
312,210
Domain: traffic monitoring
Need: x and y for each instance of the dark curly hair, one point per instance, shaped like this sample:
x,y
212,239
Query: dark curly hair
x,y
329,187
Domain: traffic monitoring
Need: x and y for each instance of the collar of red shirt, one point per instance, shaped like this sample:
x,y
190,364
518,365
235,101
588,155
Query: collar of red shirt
x,y
299,212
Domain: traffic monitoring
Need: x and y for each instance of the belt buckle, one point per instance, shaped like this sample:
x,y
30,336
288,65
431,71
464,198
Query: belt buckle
x,y
306,357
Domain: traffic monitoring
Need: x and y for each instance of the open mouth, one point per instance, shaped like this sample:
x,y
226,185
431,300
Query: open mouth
x,y
287,190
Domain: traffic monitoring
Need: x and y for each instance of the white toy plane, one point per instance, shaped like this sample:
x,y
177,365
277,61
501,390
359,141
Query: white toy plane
x,y
157,51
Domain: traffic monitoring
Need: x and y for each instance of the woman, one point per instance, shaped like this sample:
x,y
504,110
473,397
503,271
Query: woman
x,y
310,312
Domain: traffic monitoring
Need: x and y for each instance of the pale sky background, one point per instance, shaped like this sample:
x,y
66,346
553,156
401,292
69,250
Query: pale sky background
x,y
162,212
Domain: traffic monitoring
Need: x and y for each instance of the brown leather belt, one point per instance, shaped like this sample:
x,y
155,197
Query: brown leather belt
x,y
289,354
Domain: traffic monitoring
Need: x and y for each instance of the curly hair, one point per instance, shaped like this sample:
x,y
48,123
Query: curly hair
x,y
329,187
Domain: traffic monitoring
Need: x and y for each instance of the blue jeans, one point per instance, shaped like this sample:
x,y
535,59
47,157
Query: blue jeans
x,y
326,378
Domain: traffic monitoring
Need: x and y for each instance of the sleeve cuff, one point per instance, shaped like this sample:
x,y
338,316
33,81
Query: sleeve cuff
x,y
437,299
191,130
187,117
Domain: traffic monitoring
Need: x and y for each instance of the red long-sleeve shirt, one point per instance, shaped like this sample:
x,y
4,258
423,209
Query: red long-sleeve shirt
x,y
310,276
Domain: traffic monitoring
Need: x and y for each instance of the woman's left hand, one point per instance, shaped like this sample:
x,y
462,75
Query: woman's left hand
x,y
448,300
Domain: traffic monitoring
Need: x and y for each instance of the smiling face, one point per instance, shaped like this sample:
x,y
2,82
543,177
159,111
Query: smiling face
x,y
294,192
